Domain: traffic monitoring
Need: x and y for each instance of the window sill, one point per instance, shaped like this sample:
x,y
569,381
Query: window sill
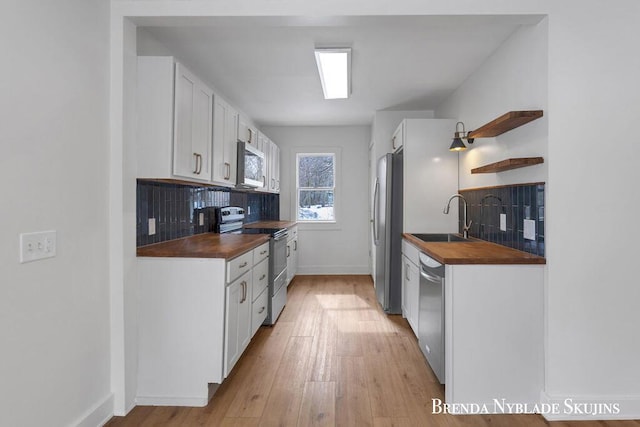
x,y
319,226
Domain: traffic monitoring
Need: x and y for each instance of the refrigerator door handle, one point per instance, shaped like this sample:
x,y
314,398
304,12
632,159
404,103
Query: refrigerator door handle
x,y
376,194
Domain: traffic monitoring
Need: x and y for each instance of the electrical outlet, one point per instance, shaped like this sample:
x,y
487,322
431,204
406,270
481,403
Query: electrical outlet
x,y
152,226
35,246
503,222
200,218
529,229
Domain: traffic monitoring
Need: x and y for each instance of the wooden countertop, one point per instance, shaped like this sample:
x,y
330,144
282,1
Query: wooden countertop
x,y
270,224
207,245
473,252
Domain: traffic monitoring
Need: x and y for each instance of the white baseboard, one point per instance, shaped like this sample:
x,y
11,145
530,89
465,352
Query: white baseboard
x,y
172,401
593,407
333,269
99,414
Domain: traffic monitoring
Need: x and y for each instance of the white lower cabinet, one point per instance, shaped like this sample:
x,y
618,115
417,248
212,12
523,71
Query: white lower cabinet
x,y
410,292
494,334
196,317
410,284
292,254
237,331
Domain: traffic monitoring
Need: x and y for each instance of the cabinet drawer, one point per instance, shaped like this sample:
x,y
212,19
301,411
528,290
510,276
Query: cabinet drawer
x,y
239,265
411,252
260,278
259,311
293,233
260,253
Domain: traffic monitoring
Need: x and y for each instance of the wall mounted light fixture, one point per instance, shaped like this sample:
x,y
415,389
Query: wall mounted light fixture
x,y
458,136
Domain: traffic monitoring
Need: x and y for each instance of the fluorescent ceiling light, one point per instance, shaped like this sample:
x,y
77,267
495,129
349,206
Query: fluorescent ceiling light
x,y
334,66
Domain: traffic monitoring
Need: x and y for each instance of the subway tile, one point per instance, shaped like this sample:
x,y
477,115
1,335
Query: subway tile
x,y
176,208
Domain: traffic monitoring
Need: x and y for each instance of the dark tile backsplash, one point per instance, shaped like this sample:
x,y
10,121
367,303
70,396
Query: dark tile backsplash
x,y
518,202
176,208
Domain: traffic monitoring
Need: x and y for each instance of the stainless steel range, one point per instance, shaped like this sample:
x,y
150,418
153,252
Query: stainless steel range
x,y
231,220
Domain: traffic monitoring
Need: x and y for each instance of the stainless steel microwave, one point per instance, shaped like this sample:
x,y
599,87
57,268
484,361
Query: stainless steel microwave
x,y
251,166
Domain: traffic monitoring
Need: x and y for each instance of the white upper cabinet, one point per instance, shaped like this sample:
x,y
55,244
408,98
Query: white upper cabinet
x,y
397,140
275,169
175,118
225,142
263,144
246,131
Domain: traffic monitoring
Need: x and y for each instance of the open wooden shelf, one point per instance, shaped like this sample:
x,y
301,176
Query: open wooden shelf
x,y
508,164
504,123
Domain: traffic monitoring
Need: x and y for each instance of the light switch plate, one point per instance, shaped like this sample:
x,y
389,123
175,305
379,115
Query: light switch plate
x,y
152,226
529,229
35,246
503,222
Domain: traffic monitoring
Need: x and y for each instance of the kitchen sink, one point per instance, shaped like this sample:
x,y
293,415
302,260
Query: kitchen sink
x,y
440,237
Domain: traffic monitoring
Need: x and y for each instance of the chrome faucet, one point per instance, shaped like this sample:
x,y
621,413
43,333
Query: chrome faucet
x,y
465,226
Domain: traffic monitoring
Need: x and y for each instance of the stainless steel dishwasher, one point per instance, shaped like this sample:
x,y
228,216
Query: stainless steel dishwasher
x,y
431,314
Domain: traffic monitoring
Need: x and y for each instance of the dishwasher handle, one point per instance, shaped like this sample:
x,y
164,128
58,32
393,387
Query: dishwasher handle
x,y
430,277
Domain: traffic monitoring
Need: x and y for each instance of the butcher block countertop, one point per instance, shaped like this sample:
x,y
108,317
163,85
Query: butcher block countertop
x,y
473,252
207,245
270,224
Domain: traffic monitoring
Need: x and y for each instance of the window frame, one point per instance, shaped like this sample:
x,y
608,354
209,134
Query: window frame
x,y
335,152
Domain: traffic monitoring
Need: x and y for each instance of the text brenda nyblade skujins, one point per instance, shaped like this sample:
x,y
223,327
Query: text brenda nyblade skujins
x,y
502,406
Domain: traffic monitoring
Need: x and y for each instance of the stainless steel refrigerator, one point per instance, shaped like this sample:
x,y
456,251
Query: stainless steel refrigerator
x,y
387,232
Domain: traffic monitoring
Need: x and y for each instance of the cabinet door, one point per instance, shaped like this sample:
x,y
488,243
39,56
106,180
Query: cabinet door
x,y
410,293
246,132
238,320
289,261
294,256
405,291
413,288
275,169
397,140
192,126
224,142
264,145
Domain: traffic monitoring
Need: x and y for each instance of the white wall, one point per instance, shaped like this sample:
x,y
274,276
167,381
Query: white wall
x,y
593,293
329,249
514,77
54,313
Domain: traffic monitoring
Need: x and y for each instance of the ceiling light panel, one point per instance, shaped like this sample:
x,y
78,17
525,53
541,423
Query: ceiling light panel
x,y
334,67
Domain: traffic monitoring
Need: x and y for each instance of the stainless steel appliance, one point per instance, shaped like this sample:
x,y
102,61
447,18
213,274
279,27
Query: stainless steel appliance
x,y
230,220
431,314
387,232
251,167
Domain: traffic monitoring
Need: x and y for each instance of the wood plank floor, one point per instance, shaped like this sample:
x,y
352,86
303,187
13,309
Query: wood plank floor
x,y
332,359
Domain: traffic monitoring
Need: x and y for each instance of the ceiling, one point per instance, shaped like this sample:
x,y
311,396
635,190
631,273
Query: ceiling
x,y
266,66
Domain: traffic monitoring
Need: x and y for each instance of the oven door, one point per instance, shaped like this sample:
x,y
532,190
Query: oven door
x,y
279,256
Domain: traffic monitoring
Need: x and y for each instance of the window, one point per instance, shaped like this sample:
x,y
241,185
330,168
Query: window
x,y
316,181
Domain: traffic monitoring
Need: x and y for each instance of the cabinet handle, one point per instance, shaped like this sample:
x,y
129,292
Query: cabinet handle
x,y
243,265
393,142
244,291
288,251
262,277
228,170
264,181
273,183
295,245
406,272
261,310
197,156
250,136
263,252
